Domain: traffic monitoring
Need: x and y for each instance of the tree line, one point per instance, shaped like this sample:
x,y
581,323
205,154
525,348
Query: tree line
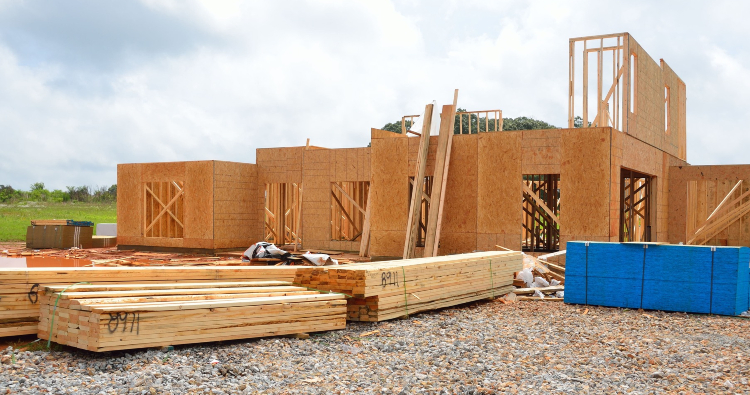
x,y
39,193
480,124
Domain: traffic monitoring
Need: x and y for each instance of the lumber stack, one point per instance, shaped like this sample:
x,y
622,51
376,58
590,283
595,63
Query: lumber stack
x,y
128,316
653,276
19,288
391,289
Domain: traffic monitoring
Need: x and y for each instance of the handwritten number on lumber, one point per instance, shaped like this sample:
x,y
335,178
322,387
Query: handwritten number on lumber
x,y
389,278
116,318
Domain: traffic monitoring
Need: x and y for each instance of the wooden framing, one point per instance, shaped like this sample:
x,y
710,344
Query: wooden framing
x,y
282,213
200,206
348,209
635,206
708,205
418,203
491,122
541,207
630,89
442,161
477,201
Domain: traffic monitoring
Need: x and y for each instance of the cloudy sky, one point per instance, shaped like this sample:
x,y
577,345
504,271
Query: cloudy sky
x,y
85,85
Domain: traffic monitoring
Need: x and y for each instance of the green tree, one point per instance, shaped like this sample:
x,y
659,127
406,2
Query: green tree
x,y
526,123
395,127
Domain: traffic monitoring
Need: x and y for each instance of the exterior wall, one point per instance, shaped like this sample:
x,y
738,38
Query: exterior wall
x,y
316,168
647,122
198,218
219,206
584,184
235,205
710,185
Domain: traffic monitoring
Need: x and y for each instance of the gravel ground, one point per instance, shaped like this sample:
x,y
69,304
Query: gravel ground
x,y
489,347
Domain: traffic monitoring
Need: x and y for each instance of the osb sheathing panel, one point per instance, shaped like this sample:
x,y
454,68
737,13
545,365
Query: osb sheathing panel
x,y
584,184
414,152
199,205
319,165
499,175
647,123
198,218
389,189
631,153
129,201
710,181
279,165
675,139
235,205
459,226
540,151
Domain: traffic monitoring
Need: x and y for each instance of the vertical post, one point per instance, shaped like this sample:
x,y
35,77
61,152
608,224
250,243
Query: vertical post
x,y
585,85
571,83
599,85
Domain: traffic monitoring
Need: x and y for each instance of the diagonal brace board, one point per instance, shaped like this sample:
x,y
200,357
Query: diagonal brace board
x,y
165,208
418,185
539,202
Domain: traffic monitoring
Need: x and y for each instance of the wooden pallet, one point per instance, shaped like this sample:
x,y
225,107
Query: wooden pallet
x,y
390,289
128,316
19,288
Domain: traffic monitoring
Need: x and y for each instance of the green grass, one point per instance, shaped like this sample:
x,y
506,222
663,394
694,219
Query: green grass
x,y
14,218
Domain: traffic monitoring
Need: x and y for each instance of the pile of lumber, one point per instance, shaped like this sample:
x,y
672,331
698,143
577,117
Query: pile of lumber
x,y
128,316
391,289
19,288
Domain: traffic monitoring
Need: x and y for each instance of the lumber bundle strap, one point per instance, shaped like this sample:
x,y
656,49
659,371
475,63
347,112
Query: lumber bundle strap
x,y
121,317
390,289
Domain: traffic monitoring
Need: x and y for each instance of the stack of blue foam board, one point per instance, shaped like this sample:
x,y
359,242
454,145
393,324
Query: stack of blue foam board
x,y
695,279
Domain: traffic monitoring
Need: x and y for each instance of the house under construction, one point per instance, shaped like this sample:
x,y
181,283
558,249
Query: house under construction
x,y
618,172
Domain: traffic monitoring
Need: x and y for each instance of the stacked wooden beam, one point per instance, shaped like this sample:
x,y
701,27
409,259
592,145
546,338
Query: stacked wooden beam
x,y
128,316
19,288
391,289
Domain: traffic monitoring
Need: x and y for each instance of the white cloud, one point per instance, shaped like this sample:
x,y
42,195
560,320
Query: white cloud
x,y
215,80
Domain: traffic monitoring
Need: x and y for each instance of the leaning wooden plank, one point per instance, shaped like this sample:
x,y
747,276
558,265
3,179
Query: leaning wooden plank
x,y
364,244
418,186
442,159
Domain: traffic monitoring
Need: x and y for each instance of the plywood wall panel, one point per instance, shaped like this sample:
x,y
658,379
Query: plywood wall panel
x,y
389,195
199,204
499,175
129,200
585,183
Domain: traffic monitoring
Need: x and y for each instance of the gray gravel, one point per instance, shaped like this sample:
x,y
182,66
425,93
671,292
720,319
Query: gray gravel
x,y
489,347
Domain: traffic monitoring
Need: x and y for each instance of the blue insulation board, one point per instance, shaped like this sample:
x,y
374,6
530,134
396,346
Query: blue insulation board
x,y
694,279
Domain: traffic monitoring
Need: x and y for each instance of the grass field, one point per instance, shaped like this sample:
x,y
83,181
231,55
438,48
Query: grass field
x,y
16,217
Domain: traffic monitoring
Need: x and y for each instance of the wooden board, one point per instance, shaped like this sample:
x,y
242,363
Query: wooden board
x,y
389,289
19,288
106,321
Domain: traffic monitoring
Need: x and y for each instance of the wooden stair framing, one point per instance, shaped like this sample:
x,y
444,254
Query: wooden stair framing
x,y
412,224
442,160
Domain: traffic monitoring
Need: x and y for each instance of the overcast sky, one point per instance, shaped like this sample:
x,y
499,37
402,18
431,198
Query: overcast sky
x,y
85,85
